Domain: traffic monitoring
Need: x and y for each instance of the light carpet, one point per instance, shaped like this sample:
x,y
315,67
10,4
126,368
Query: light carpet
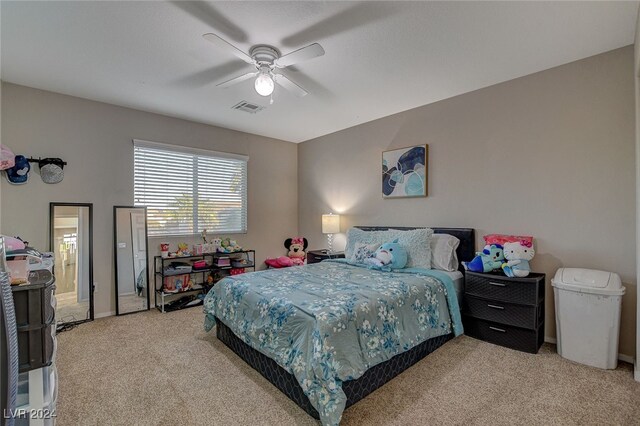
x,y
163,369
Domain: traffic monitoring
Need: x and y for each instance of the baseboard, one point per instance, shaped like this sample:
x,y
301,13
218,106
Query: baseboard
x,y
104,314
622,357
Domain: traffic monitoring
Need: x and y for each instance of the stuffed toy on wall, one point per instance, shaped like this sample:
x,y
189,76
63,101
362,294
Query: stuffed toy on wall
x,y
389,256
489,259
296,255
518,254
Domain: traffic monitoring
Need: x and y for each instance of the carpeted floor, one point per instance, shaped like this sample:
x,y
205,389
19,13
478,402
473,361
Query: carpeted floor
x,y
162,369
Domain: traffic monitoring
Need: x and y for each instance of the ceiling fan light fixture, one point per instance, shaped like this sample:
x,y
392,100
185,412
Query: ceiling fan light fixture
x,y
264,84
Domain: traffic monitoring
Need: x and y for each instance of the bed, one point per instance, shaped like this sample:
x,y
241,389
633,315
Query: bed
x,y
288,323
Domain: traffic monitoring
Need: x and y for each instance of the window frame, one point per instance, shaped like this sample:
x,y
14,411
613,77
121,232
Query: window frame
x,y
196,153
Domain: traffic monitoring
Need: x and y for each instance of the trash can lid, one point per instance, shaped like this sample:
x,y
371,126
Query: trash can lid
x,y
588,281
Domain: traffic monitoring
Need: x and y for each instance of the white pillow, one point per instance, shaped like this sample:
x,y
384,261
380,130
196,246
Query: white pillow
x,y
443,252
415,241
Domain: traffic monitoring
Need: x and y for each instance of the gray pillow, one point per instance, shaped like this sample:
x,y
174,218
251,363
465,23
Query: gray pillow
x,y
443,252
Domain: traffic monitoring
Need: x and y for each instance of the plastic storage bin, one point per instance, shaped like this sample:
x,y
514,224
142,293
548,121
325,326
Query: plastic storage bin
x,y
35,319
37,395
588,306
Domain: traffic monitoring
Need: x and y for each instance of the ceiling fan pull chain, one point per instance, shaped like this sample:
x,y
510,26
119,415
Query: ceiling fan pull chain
x,y
271,101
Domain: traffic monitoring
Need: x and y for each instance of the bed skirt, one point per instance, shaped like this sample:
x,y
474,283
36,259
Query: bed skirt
x,y
355,390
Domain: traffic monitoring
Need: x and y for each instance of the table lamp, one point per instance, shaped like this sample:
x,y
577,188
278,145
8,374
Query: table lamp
x,y
330,226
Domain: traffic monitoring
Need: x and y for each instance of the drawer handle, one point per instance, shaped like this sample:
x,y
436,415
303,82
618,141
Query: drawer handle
x,y
501,330
497,284
495,306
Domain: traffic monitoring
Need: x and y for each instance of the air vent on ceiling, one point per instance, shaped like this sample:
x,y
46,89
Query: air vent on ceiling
x,y
247,107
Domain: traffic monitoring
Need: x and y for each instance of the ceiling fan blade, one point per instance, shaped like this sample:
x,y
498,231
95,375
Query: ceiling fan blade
x,y
312,51
209,15
225,45
284,81
238,79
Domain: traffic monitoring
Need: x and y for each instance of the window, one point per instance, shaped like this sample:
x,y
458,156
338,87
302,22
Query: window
x,y
187,190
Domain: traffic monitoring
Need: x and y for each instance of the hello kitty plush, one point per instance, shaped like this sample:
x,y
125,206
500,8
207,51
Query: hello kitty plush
x,y
518,254
216,244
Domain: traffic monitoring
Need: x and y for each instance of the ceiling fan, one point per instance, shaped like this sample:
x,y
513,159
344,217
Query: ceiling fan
x,y
267,59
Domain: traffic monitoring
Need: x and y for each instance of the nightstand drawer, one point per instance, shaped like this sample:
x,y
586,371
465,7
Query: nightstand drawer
x,y
505,335
525,291
525,316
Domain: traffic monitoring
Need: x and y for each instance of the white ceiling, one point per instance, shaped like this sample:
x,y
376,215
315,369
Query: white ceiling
x,y
381,57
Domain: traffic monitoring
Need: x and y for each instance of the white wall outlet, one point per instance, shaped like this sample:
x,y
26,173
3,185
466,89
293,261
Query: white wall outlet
x,y
95,287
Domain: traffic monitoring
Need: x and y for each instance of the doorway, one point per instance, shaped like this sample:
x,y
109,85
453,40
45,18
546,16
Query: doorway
x,y
71,241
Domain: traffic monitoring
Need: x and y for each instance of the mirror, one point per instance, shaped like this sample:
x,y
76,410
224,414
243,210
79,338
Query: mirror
x,y
71,242
131,260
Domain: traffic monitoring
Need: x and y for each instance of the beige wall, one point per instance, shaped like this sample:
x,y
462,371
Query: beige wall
x,y
96,140
637,91
550,154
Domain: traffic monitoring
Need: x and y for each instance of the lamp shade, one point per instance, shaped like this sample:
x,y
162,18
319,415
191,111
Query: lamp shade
x,y
330,223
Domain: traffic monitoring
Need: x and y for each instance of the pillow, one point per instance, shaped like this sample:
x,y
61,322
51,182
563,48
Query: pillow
x,y
415,241
502,239
443,252
363,251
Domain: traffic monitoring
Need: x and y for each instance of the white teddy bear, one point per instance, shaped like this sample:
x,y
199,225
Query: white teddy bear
x,y
518,255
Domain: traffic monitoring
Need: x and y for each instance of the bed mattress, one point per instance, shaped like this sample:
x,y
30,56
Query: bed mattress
x,y
458,284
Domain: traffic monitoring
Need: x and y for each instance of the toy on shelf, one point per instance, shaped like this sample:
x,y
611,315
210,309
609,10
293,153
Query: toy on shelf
x,y
177,283
183,250
215,244
164,250
518,254
388,256
296,253
207,246
228,246
489,259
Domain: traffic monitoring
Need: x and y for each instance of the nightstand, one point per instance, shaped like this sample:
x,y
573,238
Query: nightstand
x,y
505,311
315,256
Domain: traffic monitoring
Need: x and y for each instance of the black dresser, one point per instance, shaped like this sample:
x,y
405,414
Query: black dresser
x,y
35,305
505,311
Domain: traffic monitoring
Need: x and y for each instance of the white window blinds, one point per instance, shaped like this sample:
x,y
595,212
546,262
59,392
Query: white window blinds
x,y
187,190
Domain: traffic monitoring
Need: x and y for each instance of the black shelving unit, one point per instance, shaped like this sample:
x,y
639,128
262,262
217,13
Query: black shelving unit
x,y
199,276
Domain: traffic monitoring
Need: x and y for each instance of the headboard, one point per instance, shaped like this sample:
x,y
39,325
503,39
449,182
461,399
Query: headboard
x,y
466,250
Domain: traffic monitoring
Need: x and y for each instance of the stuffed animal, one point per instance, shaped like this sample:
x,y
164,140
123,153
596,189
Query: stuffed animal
x,y
487,260
388,256
183,250
296,253
227,246
518,255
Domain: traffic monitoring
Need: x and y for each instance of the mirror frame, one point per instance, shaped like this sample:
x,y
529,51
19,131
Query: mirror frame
x,y
115,256
52,207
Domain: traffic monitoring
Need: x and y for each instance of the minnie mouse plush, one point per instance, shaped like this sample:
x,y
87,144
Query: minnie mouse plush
x,y
296,256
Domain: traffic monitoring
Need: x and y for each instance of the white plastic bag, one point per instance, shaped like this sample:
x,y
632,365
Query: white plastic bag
x,y
7,158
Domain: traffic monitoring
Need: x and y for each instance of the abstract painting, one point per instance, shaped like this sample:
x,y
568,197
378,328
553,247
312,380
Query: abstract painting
x,y
404,172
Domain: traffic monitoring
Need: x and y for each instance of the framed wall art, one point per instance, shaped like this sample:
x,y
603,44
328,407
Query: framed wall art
x,y
404,172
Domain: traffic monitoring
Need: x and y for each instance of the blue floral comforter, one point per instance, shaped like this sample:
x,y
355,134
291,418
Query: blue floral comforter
x,y
329,322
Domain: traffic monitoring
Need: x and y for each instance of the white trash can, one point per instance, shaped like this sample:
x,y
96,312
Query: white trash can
x,y
588,315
